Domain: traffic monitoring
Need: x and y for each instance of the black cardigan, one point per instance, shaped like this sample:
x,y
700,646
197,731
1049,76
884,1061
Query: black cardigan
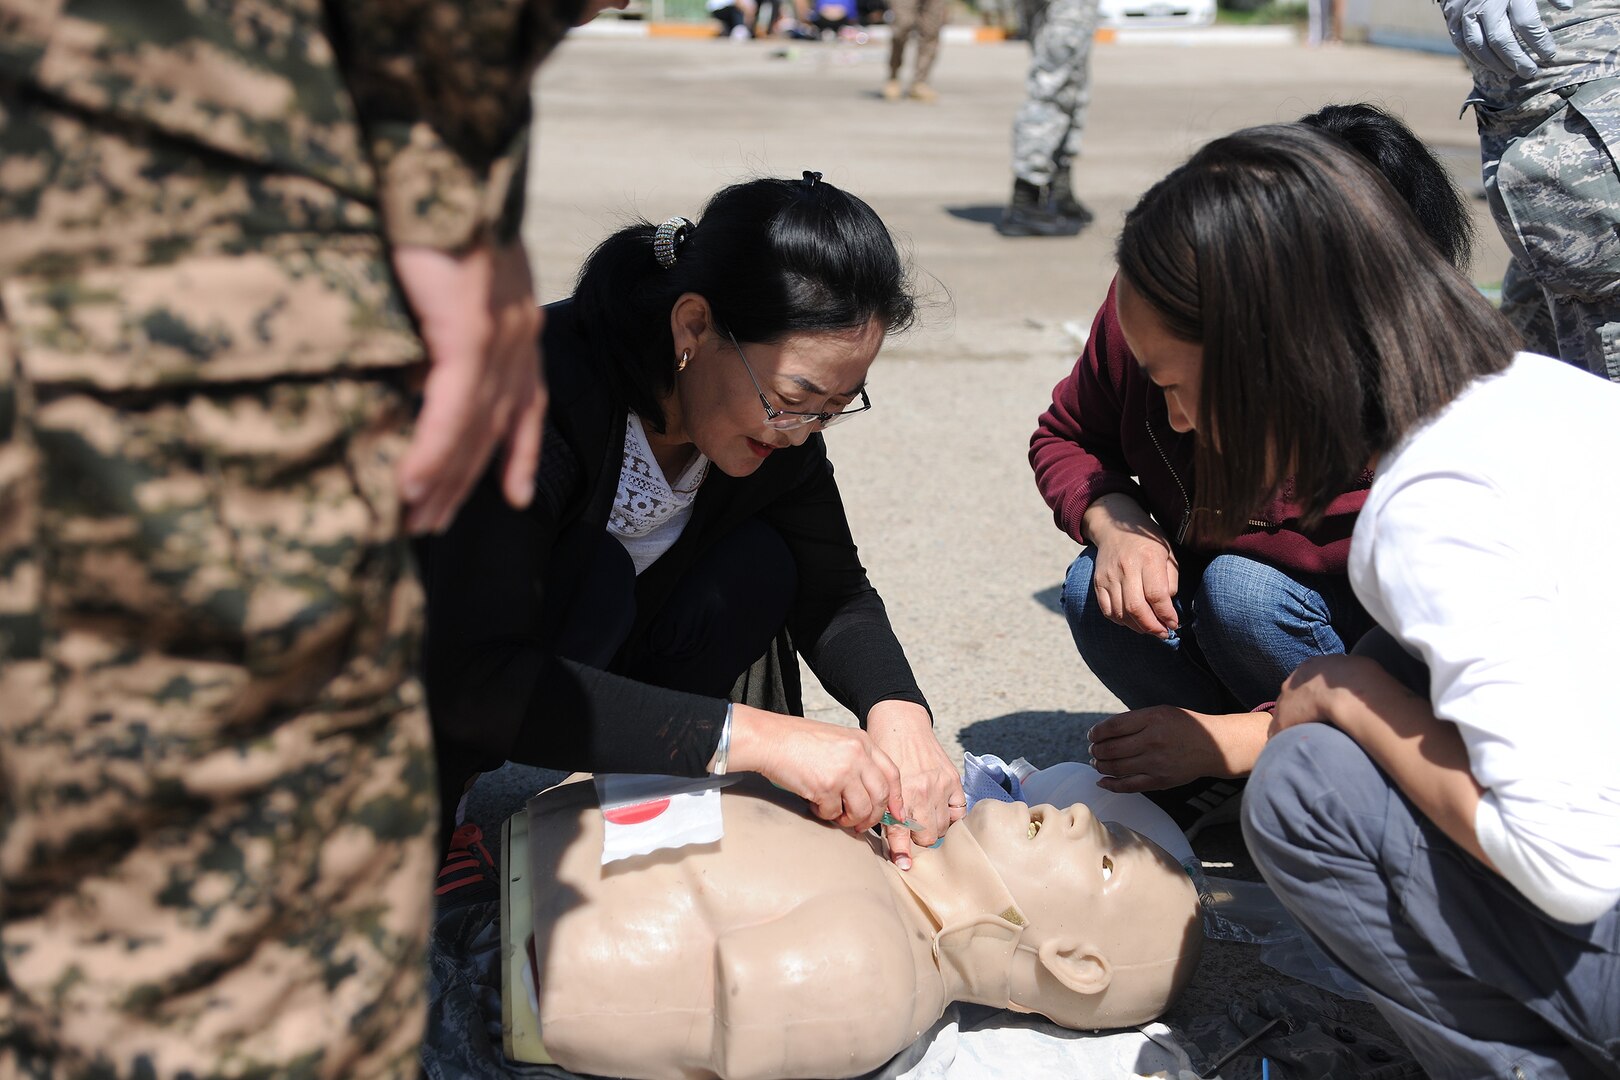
x,y
498,580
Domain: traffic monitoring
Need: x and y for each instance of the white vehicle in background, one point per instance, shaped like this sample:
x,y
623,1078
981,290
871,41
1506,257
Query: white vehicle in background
x,y
1122,13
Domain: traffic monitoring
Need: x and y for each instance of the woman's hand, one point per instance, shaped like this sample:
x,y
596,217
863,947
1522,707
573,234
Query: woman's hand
x,y
1307,695
931,787
1163,747
1136,575
840,771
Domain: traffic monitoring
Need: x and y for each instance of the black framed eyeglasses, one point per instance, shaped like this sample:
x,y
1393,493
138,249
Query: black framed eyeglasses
x,y
788,419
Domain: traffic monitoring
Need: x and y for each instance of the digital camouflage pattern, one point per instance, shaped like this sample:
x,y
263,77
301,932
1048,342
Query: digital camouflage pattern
x,y
214,755
216,759
1549,148
1588,42
132,261
419,107
1049,125
924,19
1525,306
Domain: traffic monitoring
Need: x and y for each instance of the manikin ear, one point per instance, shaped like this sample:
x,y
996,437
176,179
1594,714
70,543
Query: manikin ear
x,y
689,321
1080,967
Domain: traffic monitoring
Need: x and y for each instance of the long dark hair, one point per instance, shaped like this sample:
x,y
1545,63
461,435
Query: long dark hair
x,y
1411,169
1330,325
772,258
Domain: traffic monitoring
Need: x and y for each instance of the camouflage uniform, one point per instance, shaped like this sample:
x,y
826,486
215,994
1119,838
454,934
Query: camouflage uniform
x,y
215,760
1549,147
925,19
1047,130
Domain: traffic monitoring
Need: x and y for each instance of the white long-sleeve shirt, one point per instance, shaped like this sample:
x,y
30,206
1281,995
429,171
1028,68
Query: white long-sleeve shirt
x,y
1489,546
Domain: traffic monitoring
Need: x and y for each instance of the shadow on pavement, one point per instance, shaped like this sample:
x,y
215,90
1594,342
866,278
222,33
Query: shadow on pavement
x,y
1050,598
1044,737
979,215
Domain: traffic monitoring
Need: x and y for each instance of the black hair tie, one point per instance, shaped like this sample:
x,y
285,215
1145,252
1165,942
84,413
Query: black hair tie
x,y
811,179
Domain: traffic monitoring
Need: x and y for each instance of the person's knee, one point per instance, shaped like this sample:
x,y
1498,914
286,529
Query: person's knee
x,y
1245,606
1083,614
1234,598
1277,793
1307,783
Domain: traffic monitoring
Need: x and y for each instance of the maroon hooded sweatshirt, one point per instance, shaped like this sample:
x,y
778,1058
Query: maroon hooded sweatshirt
x,y
1108,430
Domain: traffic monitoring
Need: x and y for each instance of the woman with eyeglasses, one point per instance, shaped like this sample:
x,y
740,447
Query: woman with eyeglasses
x,y
1440,809
687,538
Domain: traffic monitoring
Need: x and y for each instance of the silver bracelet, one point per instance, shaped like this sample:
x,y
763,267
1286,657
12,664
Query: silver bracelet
x,y
722,753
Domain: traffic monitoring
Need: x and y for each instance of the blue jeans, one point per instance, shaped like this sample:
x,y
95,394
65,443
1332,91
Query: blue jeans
x,y
1475,980
1245,626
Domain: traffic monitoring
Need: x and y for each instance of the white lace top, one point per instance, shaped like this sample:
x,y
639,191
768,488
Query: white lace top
x,y
649,512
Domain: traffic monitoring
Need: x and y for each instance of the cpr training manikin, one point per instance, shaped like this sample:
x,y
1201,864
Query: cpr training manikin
x,y
793,948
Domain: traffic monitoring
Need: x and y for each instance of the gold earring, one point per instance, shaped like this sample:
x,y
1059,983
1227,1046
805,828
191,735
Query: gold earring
x,y
686,354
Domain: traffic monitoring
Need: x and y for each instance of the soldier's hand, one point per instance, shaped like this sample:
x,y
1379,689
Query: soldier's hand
x,y
477,315
1497,33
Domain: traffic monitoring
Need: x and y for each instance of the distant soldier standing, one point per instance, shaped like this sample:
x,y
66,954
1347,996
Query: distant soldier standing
x,y
230,234
922,19
1547,99
1047,130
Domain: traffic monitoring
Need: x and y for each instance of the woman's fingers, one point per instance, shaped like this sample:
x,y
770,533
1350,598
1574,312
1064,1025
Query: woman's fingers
x,y
858,810
927,778
1135,581
1125,723
1163,746
899,841
828,808
1133,783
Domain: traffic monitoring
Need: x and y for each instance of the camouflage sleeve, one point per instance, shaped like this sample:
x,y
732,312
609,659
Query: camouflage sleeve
x,y
442,91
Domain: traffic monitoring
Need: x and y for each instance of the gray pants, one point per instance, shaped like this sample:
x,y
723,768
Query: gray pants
x,y
1550,171
1046,132
1475,979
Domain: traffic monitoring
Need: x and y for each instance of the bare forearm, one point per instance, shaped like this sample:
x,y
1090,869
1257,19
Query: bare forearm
x,y
1422,754
1113,512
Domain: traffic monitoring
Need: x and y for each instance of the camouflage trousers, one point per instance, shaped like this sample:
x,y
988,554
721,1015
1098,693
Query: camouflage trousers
x,y
1550,173
923,19
219,801
1049,124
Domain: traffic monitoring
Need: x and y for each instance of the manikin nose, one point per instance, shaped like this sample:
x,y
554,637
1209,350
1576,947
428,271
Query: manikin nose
x,y
1079,816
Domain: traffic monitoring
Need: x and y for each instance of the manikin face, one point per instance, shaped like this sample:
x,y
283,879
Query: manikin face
x,y
716,407
1173,365
1113,928
1066,868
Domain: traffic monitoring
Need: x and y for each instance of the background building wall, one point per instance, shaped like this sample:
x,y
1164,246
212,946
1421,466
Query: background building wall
x,y
1407,24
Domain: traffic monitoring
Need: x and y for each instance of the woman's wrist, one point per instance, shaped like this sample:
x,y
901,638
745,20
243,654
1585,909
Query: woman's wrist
x,y
1243,736
1111,512
748,747
898,713
721,761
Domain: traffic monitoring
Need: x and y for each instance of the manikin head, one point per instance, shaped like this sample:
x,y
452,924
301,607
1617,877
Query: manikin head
x,y
1110,930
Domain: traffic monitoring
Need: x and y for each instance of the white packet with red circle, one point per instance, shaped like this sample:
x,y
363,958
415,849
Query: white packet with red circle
x,y
643,814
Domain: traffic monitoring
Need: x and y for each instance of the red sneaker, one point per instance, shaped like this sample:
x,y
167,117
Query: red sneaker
x,y
468,862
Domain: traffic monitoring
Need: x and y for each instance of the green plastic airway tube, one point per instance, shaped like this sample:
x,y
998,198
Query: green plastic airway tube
x,y
887,819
